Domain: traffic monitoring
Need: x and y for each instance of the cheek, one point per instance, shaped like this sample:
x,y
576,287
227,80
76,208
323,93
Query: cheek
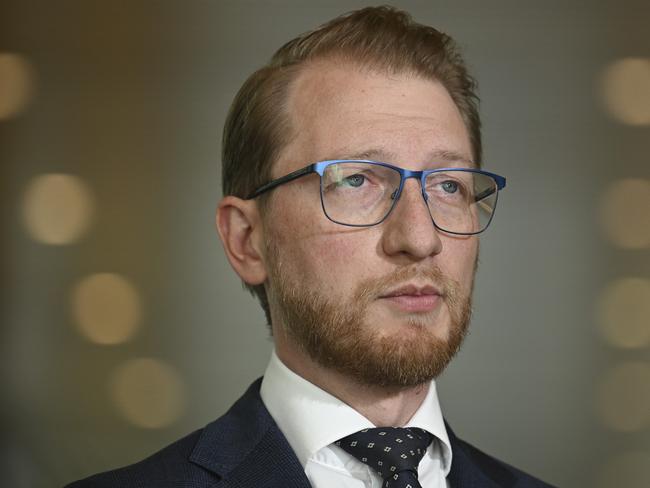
x,y
319,254
333,263
461,260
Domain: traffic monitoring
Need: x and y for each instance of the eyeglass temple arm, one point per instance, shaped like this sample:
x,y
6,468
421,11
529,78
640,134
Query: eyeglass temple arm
x,y
501,184
280,181
484,194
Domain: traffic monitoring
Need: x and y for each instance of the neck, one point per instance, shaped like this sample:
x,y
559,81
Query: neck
x,y
383,406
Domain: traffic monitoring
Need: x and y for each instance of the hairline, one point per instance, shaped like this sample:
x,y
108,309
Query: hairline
x,y
369,65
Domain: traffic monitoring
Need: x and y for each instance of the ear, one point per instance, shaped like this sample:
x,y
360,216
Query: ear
x,y
239,225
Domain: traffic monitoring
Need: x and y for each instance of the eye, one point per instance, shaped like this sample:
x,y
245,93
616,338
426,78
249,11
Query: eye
x,y
355,181
449,186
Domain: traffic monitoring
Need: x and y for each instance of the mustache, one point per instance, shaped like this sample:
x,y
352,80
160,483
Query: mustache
x,y
373,288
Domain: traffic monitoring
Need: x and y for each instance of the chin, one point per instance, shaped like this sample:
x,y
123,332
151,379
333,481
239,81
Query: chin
x,y
415,325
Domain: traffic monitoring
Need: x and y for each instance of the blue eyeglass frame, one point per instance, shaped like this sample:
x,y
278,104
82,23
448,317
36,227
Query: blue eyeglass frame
x,y
319,168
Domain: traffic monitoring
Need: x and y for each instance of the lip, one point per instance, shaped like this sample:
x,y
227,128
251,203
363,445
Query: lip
x,y
412,290
413,298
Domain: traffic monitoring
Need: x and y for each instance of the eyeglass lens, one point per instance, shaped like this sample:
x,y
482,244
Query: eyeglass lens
x,y
360,193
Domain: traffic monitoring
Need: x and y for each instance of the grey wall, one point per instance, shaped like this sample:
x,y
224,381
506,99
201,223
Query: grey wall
x,y
131,98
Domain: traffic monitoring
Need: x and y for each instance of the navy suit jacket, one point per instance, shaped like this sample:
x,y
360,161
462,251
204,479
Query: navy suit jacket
x,y
245,449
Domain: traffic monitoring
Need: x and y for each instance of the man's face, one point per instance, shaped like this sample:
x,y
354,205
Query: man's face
x,y
386,305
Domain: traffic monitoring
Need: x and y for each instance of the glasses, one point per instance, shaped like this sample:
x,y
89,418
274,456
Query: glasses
x,y
363,193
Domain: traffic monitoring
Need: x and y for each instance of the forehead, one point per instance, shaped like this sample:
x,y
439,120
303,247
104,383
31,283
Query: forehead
x,y
341,110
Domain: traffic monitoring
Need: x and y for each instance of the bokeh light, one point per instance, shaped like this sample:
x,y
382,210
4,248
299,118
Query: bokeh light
x,y
628,470
16,84
106,308
623,397
148,392
57,208
626,90
625,213
624,313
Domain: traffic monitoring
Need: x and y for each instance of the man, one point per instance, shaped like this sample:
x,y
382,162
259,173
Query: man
x,y
353,201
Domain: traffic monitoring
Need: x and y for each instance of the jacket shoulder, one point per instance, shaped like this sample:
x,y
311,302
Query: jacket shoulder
x,y
167,468
244,447
501,473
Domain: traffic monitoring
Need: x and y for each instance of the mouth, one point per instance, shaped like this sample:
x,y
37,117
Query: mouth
x,y
412,298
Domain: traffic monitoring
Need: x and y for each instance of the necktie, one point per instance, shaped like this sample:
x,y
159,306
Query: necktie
x,y
394,452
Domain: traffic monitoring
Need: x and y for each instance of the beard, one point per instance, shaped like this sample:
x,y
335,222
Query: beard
x,y
337,334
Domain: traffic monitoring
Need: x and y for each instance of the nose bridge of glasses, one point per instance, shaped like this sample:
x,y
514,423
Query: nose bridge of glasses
x,y
405,175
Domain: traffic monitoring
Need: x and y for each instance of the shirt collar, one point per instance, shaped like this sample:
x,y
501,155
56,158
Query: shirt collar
x,y
311,419
429,417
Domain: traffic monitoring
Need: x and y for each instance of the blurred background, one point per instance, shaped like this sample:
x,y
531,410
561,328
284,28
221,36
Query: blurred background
x,y
123,326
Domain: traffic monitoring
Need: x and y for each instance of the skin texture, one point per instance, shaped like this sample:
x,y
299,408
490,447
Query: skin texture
x,y
343,111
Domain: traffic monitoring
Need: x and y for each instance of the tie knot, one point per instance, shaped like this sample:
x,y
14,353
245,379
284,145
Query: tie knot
x,y
388,450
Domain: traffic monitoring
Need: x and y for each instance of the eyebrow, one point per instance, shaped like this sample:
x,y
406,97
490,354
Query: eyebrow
x,y
383,155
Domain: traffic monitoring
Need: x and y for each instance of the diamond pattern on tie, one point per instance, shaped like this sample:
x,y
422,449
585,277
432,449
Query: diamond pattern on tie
x,y
393,452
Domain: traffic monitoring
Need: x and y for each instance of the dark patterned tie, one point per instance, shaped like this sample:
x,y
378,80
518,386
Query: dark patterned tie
x,y
394,452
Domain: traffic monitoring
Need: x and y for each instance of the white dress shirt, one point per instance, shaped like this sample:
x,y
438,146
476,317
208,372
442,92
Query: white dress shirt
x,y
312,420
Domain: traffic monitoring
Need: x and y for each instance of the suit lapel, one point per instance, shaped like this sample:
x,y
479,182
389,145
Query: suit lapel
x,y
465,473
471,468
246,448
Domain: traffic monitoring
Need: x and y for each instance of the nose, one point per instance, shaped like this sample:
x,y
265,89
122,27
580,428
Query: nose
x,y
409,231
